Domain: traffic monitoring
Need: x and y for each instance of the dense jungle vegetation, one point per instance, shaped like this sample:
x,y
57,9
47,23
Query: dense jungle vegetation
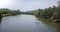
x,y
8,12
47,13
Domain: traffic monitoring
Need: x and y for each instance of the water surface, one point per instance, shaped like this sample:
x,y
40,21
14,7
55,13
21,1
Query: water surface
x,y
24,23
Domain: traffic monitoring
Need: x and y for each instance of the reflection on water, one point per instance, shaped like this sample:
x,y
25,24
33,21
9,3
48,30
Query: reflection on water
x,y
42,27
55,26
58,27
26,23
0,23
0,20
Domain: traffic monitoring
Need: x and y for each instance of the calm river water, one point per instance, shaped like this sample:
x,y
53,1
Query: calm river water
x,y
25,23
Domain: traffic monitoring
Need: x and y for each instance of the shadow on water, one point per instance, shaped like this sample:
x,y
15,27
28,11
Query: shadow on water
x,y
0,19
56,26
0,23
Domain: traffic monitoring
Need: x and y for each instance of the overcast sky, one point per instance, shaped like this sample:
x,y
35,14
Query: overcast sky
x,y
26,5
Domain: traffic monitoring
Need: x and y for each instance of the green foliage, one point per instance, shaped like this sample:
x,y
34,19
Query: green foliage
x,y
8,12
47,12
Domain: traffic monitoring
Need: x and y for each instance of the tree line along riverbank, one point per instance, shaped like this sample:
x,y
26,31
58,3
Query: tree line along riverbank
x,y
8,12
50,13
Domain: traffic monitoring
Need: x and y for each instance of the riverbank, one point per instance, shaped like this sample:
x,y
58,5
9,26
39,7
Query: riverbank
x,y
24,23
49,22
4,15
45,20
8,12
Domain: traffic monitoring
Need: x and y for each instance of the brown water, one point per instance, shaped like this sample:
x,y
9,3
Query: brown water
x,y
25,23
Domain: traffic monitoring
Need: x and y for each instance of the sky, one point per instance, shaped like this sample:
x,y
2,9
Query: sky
x,y
27,5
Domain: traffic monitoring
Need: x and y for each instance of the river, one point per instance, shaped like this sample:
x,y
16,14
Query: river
x,y
24,23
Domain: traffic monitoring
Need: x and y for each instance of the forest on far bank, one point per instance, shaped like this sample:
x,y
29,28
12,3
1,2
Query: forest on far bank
x,y
46,13
8,12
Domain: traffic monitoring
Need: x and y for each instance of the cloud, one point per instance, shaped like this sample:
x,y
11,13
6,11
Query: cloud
x,y
25,5
4,3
